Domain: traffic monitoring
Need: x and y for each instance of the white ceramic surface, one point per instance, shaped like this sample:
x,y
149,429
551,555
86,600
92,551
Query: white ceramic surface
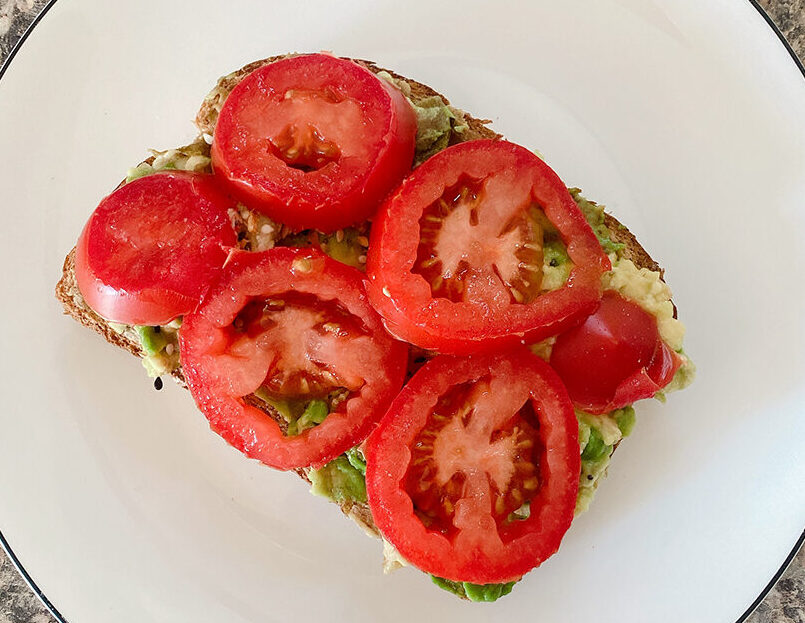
x,y
683,116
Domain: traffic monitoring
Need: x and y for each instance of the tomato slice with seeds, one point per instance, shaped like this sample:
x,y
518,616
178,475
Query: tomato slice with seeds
x,y
615,357
473,472
289,324
151,248
456,257
314,141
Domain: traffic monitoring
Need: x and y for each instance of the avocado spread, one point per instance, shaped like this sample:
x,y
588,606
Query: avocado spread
x,y
339,481
194,157
302,414
556,264
475,592
598,436
436,121
594,214
159,346
347,245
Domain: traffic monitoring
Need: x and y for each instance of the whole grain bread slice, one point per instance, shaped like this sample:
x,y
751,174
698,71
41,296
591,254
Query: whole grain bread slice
x,y
68,294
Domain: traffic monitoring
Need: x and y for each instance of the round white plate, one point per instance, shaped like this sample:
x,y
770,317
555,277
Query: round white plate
x,y
683,116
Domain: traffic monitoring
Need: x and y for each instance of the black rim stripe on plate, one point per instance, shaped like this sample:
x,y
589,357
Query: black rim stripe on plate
x,y
58,616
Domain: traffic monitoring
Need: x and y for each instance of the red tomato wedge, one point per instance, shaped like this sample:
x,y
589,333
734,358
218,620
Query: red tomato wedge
x,y
314,141
614,358
455,261
466,446
293,324
152,247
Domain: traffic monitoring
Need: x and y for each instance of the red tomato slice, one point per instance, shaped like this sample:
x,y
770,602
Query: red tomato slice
x,y
466,443
151,248
314,141
297,324
614,358
456,253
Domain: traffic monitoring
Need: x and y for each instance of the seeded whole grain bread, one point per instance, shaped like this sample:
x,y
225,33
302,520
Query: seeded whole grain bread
x,y
74,305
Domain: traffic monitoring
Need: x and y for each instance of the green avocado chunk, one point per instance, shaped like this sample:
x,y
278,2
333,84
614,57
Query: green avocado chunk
x,y
434,124
555,253
338,481
299,414
315,412
348,249
625,419
152,339
356,459
595,448
474,592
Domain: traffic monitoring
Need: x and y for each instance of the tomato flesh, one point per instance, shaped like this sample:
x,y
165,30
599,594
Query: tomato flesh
x,y
462,243
152,247
615,357
314,141
292,323
463,449
452,437
295,326
456,253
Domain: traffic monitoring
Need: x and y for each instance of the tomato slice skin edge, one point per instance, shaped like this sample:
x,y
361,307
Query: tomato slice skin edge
x,y
249,429
529,542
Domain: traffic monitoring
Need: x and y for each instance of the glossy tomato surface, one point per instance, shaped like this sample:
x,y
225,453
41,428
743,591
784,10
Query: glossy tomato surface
x,y
314,141
289,324
615,357
152,247
456,257
473,472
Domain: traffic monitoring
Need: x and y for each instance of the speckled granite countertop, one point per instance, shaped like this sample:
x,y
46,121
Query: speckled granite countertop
x,y
784,604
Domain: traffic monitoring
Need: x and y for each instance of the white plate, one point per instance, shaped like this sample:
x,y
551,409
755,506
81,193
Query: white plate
x,y
683,116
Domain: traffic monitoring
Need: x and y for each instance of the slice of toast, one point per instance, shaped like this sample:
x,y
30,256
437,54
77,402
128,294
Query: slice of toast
x,y
472,128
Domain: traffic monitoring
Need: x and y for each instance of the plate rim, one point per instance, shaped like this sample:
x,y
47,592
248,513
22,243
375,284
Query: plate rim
x,y
15,561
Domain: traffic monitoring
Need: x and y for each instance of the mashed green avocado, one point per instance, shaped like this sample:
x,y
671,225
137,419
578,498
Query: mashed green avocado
x,y
339,481
598,436
436,121
556,264
194,157
594,214
474,592
625,420
160,347
300,415
348,245
152,339
314,413
356,459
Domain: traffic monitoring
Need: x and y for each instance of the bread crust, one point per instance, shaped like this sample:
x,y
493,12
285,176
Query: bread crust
x,y
74,305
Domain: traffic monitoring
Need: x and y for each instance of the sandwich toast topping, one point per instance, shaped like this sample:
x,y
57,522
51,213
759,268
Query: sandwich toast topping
x,y
478,465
